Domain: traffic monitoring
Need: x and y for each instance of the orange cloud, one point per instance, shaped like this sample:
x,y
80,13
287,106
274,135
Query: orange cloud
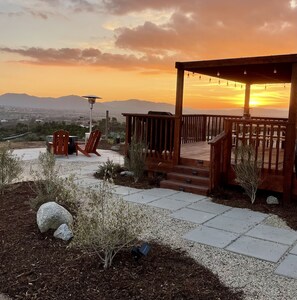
x,y
90,57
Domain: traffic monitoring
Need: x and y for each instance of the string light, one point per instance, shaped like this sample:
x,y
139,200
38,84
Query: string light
x,y
227,83
274,71
209,79
218,74
244,72
219,81
200,77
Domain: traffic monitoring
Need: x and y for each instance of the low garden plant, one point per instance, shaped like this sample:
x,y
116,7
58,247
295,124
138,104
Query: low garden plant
x,y
247,170
135,162
10,167
50,186
107,225
109,169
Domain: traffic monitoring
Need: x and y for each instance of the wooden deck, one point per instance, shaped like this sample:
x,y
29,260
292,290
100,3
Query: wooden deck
x,y
197,151
201,151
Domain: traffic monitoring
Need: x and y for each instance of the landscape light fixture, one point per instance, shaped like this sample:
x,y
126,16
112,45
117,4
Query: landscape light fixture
x,y
91,100
140,251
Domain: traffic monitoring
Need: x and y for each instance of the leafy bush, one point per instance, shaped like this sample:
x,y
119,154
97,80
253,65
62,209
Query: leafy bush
x,y
135,162
49,186
10,167
109,169
247,170
108,224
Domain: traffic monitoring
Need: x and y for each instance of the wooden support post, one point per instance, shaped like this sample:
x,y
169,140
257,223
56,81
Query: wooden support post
x,y
289,156
128,134
106,124
178,115
246,109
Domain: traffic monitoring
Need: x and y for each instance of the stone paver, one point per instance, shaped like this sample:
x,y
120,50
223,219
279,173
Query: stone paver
x,y
229,224
261,249
294,250
188,197
192,215
273,234
124,190
210,236
208,206
141,198
169,204
160,192
245,214
288,267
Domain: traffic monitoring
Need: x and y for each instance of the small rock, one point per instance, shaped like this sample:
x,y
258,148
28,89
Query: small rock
x,y
63,232
272,200
51,215
127,173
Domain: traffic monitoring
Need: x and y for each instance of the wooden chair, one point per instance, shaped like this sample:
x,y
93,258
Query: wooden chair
x,y
91,145
59,145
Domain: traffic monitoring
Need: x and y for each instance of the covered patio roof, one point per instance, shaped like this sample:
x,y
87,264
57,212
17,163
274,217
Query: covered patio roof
x,y
248,70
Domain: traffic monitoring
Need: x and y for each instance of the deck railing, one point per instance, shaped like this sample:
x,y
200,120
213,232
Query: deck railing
x,y
267,139
156,132
197,128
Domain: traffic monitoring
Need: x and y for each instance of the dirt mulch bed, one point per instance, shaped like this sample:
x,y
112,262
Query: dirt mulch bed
x,y
37,266
234,196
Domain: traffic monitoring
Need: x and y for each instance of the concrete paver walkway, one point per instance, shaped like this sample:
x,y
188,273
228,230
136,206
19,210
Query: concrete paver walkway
x,y
237,230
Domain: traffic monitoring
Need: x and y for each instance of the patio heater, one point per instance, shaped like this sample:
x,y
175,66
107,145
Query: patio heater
x,y
91,100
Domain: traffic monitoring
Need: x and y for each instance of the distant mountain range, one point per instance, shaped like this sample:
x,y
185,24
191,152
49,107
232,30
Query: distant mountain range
x,y
75,103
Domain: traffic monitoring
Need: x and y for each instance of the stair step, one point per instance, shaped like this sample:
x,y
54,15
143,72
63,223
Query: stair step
x,y
203,172
185,187
196,163
186,178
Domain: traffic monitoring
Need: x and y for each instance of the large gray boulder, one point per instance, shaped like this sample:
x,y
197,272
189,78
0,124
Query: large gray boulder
x,y
51,215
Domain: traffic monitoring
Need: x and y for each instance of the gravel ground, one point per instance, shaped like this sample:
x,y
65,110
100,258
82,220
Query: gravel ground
x,y
255,277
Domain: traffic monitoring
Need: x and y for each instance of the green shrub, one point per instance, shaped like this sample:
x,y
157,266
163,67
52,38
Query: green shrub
x,y
135,162
109,169
49,186
10,167
107,225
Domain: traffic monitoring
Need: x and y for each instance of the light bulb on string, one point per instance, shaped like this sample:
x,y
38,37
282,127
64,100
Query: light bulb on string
x,y
274,71
209,79
188,74
244,72
200,77
227,83
219,81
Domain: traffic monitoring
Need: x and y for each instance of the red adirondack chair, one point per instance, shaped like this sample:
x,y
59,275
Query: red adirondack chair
x,y
59,145
91,145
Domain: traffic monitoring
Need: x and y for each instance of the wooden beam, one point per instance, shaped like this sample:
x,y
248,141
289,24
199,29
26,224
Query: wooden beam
x,y
178,114
290,139
246,109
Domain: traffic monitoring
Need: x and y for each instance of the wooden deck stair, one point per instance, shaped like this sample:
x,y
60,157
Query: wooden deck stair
x,y
188,179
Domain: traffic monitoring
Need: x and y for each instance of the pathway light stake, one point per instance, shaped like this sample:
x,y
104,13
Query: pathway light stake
x,y
92,100
140,251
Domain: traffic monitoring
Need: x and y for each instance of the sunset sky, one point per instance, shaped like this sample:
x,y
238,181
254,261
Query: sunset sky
x,y
127,49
